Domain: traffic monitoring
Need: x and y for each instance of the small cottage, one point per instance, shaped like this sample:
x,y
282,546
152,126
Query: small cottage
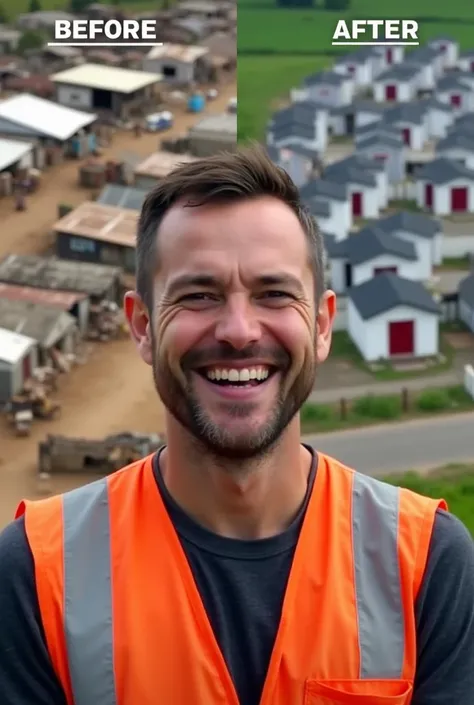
x,y
347,119
458,148
18,360
398,84
409,119
455,93
338,198
389,317
179,64
355,65
439,117
309,120
213,134
361,186
448,48
424,232
301,163
368,166
328,87
390,151
328,217
429,61
445,187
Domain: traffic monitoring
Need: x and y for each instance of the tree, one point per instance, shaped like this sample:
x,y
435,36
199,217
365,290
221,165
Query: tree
x,y
3,15
34,6
78,6
30,39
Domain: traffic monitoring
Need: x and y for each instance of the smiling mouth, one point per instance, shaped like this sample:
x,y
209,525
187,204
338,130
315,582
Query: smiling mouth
x,y
240,378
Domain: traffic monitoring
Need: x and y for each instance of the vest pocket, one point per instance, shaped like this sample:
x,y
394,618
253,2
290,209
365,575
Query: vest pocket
x,y
359,692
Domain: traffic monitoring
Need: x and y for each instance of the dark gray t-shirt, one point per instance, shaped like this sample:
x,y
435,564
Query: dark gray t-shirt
x,y
242,584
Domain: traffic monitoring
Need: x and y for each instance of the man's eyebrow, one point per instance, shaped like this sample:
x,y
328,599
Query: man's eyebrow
x,y
280,279
188,280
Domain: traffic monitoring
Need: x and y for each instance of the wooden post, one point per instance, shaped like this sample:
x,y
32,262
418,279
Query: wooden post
x,y
405,400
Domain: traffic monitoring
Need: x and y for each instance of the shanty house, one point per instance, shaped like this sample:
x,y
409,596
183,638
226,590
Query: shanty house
x,y
438,117
97,282
455,92
409,119
96,233
390,317
15,155
213,134
390,151
157,166
107,90
445,187
328,87
179,64
43,20
18,360
369,253
52,329
347,119
448,48
9,38
424,232
122,196
466,302
457,147
44,124
361,185
398,84
337,197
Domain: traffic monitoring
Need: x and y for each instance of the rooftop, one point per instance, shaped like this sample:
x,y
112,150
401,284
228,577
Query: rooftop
x,y
466,291
13,346
187,53
11,152
399,72
58,299
372,242
108,78
117,226
331,77
442,171
58,274
43,117
160,164
225,122
415,223
350,174
44,324
457,140
385,292
323,188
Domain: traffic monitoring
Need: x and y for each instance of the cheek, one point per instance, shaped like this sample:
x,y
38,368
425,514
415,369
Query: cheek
x,y
295,330
176,334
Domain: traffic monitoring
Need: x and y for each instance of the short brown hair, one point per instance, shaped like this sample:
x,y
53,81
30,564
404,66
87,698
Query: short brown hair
x,y
225,177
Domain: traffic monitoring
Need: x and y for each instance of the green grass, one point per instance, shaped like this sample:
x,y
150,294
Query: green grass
x,y
454,483
370,410
455,263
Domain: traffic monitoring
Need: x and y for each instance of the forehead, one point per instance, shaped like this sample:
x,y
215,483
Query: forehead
x,y
249,235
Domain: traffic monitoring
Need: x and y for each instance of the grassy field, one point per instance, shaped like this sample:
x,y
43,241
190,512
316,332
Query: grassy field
x,y
279,47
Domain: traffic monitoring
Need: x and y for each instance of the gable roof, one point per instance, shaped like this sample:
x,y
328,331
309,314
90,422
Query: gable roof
x,y
44,117
325,189
405,112
456,140
359,106
399,72
372,242
451,83
302,151
434,104
325,77
387,291
466,290
355,57
380,140
281,131
442,171
360,162
349,174
414,223
422,55
318,207
379,126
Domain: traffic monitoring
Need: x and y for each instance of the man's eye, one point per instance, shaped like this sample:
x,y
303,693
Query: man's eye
x,y
198,296
277,294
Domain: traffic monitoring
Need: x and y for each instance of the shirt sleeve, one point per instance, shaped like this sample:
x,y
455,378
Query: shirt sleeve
x,y
27,676
445,618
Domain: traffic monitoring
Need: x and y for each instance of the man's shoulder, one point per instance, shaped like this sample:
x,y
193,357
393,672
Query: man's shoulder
x,y
15,555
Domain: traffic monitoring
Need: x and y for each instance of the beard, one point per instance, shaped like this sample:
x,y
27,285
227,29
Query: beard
x,y
225,442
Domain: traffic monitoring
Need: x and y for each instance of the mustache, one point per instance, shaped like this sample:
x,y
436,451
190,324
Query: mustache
x,y
276,356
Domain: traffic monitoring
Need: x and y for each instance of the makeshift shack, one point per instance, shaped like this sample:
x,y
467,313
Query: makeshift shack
x,y
157,166
213,134
179,64
18,359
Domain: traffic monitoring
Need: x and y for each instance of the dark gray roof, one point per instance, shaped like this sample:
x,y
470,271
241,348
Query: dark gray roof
x,y
349,174
405,112
304,112
399,72
297,148
434,103
325,77
293,129
354,57
360,162
415,223
456,140
273,153
359,106
465,119
318,207
442,171
451,83
372,242
324,189
380,139
122,196
379,126
466,290
422,55
387,291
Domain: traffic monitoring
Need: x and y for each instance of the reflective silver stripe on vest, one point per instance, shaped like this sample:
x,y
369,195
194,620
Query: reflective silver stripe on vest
x,y
375,513
88,595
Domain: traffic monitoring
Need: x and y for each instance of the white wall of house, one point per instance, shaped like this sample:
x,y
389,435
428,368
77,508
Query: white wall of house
x,y
442,195
406,90
467,100
417,134
74,97
395,161
466,63
381,178
438,122
426,78
428,249
340,319
298,167
361,74
466,314
372,336
450,56
458,155
337,269
340,220
457,245
370,199
405,268
332,96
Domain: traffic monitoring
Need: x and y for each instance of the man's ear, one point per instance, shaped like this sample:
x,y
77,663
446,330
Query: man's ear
x,y
139,324
325,318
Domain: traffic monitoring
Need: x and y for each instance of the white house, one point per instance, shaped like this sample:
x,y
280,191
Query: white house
x,y
295,133
397,85
330,88
338,199
312,117
448,48
179,64
429,61
346,119
445,187
409,119
390,317
466,301
390,151
457,147
439,117
466,60
379,128
18,360
369,253
361,186
302,164
356,65
371,166
329,216
456,93
424,232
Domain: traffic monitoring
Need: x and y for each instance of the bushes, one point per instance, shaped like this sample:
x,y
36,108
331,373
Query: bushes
x,y
433,400
314,413
372,407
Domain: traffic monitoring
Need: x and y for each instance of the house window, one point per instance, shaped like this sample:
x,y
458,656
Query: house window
x,y
111,255
169,71
82,245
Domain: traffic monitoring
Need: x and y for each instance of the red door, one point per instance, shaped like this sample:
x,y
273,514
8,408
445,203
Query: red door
x,y
406,136
456,101
389,55
382,270
458,200
390,93
351,69
401,338
429,195
356,204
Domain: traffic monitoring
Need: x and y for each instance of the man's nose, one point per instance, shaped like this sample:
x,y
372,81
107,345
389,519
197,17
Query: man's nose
x,y
238,325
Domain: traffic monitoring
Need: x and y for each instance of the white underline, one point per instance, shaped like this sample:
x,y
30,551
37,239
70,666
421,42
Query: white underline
x,y
105,44
375,44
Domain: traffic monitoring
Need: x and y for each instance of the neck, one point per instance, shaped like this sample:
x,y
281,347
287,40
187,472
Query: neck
x,y
253,500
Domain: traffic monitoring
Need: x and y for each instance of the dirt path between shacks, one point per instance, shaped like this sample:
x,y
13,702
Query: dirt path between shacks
x,y
113,391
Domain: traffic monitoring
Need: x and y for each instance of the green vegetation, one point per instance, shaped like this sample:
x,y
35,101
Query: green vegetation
x,y
369,410
455,263
454,483
278,47
30,39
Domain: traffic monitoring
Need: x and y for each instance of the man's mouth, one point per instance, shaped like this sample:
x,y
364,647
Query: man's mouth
x,y
242,377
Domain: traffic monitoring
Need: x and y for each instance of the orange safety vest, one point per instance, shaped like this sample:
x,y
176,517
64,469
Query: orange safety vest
x,y
125,624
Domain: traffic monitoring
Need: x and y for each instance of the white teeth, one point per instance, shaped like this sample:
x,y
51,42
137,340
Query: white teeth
x,y
233,375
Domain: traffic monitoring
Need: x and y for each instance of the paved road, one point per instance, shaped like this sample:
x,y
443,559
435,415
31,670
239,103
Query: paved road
x,y
402,446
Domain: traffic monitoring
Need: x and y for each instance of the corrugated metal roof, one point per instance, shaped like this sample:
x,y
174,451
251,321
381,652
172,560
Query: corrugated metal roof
x,y
44,324
63,300
13,346
11,152
122,196
187,53
44,117
159,164
93,220
107,78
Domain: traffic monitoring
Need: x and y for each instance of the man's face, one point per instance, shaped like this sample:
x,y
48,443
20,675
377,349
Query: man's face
x,y
234,340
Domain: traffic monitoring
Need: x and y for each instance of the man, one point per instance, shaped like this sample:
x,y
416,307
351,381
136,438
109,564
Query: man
x,y
237,566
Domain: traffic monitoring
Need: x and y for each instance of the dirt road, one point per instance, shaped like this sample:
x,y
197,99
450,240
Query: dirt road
x,y
114,390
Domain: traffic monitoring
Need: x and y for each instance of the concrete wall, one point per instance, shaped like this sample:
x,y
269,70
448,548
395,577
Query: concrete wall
x,y
74,97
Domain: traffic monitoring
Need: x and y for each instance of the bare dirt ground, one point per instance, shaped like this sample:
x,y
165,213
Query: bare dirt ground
x,y
114,390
